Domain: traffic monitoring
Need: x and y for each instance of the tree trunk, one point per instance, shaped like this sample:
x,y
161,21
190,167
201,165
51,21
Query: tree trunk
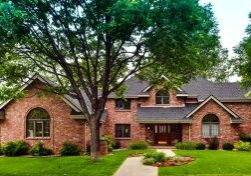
x,y
94,126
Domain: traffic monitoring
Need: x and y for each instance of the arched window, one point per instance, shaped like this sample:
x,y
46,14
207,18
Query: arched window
x,y
38,123
210,126
162,97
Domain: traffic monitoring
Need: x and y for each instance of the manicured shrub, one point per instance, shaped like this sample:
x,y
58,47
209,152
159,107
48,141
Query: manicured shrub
x,y
200,146
137,145
227,146
111,143
186,146
69,149
242,146
39,150
245,137
148,161
157,156
15,148
116,145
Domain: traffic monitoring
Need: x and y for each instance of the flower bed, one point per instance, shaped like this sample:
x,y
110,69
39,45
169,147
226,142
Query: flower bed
x,y
174,161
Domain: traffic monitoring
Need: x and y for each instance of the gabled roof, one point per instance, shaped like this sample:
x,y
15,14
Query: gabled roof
x,y
211,97
198,88
223,91
73,103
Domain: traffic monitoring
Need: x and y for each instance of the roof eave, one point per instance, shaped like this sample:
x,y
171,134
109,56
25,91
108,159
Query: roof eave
x,y
164,121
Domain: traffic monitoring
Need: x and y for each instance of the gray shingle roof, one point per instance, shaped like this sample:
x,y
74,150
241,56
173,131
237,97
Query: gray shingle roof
x,y
165,113
204,88
199,87
135,87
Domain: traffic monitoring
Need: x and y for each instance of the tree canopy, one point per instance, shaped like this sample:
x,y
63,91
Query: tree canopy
x,y
96,45
242,63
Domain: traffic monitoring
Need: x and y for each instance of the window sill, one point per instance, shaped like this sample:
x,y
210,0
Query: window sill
x,y
210,137
122,110
121,138
38,138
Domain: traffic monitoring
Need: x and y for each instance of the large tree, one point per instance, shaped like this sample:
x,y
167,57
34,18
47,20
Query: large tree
x,y
242,62
95,45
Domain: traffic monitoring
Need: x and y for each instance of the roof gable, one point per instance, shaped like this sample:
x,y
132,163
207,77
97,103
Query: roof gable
x,y
211,97
66,98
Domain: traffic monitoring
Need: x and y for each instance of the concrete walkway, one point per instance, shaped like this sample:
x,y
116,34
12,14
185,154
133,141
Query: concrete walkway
x,y
133,166
168,152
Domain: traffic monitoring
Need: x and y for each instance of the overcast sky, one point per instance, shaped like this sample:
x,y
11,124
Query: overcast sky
x,y
232,17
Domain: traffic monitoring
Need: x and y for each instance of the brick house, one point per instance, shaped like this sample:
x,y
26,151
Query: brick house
x,y
197,111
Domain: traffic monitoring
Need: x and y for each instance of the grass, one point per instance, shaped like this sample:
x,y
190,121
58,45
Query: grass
x,y
60,166
209,162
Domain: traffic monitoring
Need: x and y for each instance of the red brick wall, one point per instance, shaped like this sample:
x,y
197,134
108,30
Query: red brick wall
x,y
123,117
228,131
174,100
62,128
243,110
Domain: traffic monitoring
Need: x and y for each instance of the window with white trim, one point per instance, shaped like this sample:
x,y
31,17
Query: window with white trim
x,y
162,97
210,126
38,123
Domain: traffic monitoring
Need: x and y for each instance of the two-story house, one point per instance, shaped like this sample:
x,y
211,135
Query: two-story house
x,y
197,111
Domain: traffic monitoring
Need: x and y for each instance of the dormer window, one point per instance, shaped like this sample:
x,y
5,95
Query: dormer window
x,y
123,104
162,97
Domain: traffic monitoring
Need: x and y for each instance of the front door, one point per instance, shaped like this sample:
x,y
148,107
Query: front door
x,y
167,134
162,134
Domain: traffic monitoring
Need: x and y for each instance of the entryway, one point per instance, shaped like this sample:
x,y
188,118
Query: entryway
x,y
164,134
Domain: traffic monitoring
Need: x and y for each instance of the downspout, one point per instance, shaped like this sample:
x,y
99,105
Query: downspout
x,y
189,132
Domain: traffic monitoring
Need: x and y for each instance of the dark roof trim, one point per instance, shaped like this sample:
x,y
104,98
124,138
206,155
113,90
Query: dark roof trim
x,y
164,121
211,97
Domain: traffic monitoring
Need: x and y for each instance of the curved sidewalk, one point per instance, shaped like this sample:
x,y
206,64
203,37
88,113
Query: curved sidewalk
x,y
133,166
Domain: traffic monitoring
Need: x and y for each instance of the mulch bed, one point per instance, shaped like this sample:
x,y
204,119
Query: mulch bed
x,y
175,161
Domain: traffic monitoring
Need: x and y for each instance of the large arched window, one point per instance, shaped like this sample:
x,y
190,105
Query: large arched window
x,y
210,126
162,97
38,123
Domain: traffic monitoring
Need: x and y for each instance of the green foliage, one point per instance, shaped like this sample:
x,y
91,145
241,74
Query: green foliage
x,y
15,148
245,137
186,42
149,161
111,143
69,149
39,150
242,146
138,145
97,45
200,146
186,146
157,156
227,146
242,63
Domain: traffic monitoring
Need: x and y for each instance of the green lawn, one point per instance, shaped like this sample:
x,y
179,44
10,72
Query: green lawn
x,y
227,163
60,166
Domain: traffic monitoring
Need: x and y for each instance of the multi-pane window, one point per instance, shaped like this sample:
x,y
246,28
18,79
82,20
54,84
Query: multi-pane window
x,y
210,126
38,123
123,103
162,97
122,130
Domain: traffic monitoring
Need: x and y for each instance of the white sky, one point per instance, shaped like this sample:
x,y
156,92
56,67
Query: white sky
x,y
232,17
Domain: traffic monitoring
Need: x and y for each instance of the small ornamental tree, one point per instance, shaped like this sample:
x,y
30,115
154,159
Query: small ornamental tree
x,y
94,46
